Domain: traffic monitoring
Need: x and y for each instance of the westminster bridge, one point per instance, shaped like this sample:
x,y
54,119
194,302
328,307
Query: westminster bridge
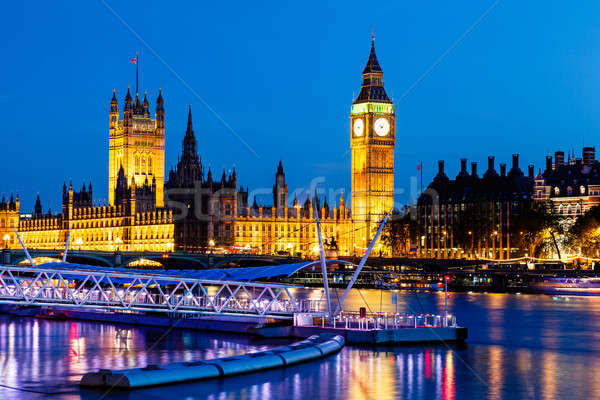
x,y
172,260
198,260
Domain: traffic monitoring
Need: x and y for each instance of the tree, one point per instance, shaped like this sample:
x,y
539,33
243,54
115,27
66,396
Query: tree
x,y
534,227
399,232
584,234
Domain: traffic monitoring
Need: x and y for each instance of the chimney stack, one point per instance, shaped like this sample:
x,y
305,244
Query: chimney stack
x,y
474,169
490,163
463,165
530,170
515,161
503,169
548,163
559,159
441,167
589,156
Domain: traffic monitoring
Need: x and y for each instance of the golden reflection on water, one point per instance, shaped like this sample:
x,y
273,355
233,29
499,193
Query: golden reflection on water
x,y
543,354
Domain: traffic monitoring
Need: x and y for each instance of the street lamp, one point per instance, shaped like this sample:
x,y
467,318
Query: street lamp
x,y
211,244
6,240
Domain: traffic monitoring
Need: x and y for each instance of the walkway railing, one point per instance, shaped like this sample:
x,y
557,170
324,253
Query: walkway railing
x,y
119,291
373,321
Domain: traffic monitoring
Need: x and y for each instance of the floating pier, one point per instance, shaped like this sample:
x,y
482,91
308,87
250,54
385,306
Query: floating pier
x,y
312,348
372,328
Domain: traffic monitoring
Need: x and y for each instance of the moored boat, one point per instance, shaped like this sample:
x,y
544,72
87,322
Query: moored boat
x,y
567,286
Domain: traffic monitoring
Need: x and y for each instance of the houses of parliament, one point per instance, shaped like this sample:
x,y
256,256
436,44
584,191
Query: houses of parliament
x,y
191,210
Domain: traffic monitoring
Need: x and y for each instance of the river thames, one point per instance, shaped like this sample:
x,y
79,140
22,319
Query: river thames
x,y
519,347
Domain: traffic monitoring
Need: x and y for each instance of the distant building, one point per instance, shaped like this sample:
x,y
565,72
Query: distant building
x,y
135,218
204,209
572,187
372,141
470,216
200,213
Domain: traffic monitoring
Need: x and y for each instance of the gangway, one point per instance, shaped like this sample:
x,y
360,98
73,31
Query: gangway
x,y
74,286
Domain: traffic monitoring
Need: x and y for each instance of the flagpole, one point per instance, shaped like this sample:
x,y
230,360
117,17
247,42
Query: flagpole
x,y
421,176
137,66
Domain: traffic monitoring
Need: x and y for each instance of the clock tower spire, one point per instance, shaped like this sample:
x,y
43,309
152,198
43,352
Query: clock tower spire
x,y
372,140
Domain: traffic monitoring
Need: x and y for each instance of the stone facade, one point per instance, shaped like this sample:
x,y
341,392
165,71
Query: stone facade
x,y
470,216
572,187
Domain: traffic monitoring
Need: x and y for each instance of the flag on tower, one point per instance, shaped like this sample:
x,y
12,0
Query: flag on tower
x,y
420,166
133,60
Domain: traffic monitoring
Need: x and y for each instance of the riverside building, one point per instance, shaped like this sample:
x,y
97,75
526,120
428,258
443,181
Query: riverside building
x,y
198,212
470,216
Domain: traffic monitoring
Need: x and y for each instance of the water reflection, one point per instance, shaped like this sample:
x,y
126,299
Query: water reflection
x,y
520,347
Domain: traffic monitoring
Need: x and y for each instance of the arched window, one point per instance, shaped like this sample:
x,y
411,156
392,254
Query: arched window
x,y
560,209
137,164
149,165
569,209
144,171
569,191
556,191
578,209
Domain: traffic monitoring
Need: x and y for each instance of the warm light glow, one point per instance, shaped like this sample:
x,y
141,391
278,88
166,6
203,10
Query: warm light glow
x,y
6,237
79,241
144,262
211,243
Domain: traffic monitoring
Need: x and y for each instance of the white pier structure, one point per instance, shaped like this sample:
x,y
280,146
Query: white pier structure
x,y
66,285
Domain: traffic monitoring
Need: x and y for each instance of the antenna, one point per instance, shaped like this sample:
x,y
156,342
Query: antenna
x,y
361,264
323,263
66,247
24,248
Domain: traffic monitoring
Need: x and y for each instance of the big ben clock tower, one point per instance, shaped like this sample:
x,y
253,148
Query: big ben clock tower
x,y
372,140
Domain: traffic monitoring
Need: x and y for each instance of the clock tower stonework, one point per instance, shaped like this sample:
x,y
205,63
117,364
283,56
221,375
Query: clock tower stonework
x,y
372,140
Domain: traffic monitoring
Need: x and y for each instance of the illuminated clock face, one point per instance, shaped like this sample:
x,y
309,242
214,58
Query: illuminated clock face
x,y
382,127
359,127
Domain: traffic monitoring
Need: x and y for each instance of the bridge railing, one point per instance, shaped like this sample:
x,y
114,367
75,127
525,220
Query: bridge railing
x,y
140,292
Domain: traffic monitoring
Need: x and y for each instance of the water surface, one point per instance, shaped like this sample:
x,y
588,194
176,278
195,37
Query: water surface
x,y
519,347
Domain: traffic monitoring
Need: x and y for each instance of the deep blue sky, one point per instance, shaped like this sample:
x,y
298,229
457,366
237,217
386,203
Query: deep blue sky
x,y
282,74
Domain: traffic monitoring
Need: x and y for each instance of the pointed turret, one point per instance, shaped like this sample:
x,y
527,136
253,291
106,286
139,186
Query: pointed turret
x,y
114,110
159,114
37,209
372,89
138,109
372,64
128,100
128,111
190,154
279,188
145,105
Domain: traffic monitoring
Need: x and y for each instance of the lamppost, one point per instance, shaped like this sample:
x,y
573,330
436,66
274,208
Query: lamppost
x,y
211,245
6,240
471,250
118,241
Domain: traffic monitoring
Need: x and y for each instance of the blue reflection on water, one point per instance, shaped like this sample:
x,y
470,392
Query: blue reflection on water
x,y
519,347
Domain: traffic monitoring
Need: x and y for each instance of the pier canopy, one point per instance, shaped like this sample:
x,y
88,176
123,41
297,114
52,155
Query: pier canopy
x,y
222,274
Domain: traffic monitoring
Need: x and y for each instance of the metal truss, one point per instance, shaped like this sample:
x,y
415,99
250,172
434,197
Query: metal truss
x,y
132,292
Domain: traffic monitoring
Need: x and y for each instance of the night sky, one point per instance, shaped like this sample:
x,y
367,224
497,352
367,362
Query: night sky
x,y
469,79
